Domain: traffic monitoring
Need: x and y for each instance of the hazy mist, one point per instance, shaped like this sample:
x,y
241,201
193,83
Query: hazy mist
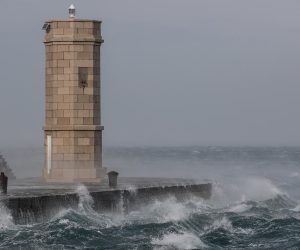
x,y
174,72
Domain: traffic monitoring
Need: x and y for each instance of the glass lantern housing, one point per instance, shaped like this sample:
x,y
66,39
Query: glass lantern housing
x,y
72,11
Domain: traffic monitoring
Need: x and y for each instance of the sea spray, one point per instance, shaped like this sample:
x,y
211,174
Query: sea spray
x,y
121,206
6,220
241,214
259,189
86,202
182,240
169,209
239,208
161,224
235,191
85,208
296,209
132,189
223,222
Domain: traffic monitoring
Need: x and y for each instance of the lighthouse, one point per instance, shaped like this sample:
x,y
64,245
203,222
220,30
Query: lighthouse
x,y
72,130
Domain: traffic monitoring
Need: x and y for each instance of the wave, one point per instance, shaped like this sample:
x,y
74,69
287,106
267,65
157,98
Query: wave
x,y
239,208
164,224
6,219
240,190
182,240
296,209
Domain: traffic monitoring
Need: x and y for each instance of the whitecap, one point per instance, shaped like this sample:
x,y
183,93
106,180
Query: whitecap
x,y
167,210
239,208
63,221
222,223
183,240
226,224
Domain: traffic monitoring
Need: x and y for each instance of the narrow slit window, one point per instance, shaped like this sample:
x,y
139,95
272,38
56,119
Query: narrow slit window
x,y
83,77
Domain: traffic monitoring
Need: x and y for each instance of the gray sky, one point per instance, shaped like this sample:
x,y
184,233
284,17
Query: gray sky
x,y
174,72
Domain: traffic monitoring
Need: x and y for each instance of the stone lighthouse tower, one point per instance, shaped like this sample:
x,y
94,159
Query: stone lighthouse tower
x,y
73,131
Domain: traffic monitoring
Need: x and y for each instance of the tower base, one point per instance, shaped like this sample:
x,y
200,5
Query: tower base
x,y
74,175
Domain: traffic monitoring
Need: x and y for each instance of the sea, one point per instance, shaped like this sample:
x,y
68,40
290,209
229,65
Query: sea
x,y
255,202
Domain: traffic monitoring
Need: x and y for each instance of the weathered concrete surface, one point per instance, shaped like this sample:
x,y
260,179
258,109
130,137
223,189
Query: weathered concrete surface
x,y
42,207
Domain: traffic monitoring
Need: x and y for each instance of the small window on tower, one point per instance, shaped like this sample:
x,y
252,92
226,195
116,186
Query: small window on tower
x,y
46,27
83,77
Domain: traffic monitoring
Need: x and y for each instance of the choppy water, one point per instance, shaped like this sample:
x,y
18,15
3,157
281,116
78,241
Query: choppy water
x,y
255,205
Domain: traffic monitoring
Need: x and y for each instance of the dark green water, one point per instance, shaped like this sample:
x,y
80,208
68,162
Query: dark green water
x,y
255,205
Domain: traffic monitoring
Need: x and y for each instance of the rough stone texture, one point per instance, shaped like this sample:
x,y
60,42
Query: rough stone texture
x,y
72,105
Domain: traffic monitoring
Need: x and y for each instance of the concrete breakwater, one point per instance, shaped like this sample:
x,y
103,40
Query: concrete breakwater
x,y
41,207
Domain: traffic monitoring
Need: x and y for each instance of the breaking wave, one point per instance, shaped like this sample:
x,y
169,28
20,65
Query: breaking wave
x,y
6,220
183,240
263,217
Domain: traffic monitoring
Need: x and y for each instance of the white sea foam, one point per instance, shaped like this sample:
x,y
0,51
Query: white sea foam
x,y
62,213
85,207
172,210
183,240
159,211
222,223
63,221
86,202
167,210
131,188
226,224
6,220
239,208
296,209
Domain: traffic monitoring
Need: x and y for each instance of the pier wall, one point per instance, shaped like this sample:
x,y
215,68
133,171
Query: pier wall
x,y
40,208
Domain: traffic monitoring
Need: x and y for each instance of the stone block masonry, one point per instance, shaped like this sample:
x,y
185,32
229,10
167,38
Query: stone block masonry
x,y
73,131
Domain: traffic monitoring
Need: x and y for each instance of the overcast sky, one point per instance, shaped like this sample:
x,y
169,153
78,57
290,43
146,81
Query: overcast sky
x,y
174,72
